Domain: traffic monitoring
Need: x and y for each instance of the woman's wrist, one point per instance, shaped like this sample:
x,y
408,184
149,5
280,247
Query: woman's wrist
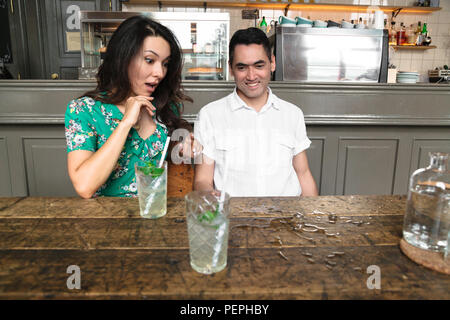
x,y
125,125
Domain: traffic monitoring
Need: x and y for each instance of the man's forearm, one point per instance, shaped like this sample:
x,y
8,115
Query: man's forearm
x,y
309,187
203,186
204,175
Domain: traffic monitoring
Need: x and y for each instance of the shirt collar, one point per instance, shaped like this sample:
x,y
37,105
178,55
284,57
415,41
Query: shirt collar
x,y
238,103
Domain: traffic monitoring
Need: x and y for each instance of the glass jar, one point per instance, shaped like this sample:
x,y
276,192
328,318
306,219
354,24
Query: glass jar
x,y
427,218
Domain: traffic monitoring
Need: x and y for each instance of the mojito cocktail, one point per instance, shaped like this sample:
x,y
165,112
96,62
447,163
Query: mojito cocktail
x,y
152,189
208,225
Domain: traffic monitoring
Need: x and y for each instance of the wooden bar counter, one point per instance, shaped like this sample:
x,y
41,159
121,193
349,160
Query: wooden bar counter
x,y
274,252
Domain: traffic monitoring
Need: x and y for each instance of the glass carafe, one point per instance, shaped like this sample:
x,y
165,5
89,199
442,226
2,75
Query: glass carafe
x,y
427,218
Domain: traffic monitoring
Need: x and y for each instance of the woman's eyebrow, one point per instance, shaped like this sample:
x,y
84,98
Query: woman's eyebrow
x,y
151,51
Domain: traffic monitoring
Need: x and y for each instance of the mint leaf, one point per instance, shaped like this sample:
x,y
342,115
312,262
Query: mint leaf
x,y
151,169
208,215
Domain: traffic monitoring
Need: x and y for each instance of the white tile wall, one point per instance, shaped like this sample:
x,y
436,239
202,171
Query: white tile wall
x,y
438,25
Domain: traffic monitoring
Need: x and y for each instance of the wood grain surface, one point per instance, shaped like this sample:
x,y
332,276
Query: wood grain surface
x,y
180,179
279,248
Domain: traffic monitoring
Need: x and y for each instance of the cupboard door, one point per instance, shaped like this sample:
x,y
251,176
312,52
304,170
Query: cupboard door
x,y
46,167
366,166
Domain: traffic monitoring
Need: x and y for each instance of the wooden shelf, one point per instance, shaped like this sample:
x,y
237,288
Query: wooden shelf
x,y
413,47
281,5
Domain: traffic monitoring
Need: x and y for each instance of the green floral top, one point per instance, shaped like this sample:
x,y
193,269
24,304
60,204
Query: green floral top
x,y
89,123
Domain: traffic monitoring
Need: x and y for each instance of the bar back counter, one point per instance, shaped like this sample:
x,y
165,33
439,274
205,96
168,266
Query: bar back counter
x,y
366,138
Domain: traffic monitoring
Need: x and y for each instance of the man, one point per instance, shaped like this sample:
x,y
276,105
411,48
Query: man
x,y
253,142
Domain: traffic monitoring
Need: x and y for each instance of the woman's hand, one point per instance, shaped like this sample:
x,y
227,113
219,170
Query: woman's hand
x,y
134,106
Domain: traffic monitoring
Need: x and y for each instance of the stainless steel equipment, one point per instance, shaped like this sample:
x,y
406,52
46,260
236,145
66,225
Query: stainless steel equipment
x,y
203,38
331,54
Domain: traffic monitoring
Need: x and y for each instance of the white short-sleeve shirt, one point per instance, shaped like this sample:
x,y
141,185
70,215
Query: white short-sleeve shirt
x,y
254,148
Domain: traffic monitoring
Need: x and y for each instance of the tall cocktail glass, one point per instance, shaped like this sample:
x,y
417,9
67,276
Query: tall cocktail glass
x,y
152,189
208,225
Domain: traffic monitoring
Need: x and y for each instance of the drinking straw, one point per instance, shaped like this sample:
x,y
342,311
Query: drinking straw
x,y
163,156
220,234
223,226
224,181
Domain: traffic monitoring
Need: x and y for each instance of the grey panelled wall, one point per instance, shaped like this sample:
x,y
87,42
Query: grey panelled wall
x,y
37,161
5,177
372,159
366,165
45,160
366,139
315,157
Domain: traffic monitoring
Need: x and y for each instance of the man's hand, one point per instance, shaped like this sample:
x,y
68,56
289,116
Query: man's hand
x,y
189,147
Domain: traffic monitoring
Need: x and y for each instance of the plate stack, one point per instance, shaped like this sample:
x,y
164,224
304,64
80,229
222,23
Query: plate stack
x,y
407,77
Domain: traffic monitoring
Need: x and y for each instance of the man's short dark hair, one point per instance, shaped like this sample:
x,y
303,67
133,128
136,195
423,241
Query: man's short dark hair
x,y
247,37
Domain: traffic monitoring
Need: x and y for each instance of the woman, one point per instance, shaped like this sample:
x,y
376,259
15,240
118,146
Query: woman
x,y
127,118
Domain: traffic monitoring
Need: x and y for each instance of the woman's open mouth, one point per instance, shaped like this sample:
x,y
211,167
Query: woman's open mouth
x,y
151,86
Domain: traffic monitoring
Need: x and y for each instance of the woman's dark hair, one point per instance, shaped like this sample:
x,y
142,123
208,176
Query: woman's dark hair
x,y
247,37
113,84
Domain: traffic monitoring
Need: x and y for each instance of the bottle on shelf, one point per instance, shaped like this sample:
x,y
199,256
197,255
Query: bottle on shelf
x,y
263,24
426,39
419,38
411,36
419,27
401,35
392,34
424,30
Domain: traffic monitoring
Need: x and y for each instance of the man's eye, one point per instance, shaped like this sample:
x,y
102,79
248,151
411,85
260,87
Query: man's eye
x,y
259,66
